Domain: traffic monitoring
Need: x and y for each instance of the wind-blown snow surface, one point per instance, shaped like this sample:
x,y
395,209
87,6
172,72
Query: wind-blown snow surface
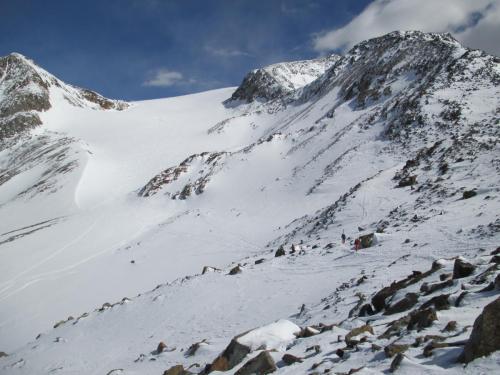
x,y
299,169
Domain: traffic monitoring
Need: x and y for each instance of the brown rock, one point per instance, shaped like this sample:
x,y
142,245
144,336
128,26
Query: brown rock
x,y
392,349
440,302
357,331
403,304
431,288
290,359
484,338
262,364
236,270
450,326
231,356
462,268
421,319
161,347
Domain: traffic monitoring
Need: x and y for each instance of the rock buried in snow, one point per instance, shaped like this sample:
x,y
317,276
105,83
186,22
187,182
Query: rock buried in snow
x,y
280,252
289,359
161,347
262,364
236,270
207,269
260,261
461,268
273,336
485,337
3,354
468,194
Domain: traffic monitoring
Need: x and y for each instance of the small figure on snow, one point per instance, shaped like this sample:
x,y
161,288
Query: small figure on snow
x,y
357,244
343,237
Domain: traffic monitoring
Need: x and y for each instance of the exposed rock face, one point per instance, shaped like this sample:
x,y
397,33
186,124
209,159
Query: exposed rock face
x,y
461,268
190,176
262,364
280,252
484,338
231,356
275,81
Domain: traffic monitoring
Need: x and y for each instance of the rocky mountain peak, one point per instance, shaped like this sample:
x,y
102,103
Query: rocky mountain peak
x,y
277,80
25,90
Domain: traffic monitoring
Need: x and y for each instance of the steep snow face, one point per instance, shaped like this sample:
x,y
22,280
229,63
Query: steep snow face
x,y
277,80
398,137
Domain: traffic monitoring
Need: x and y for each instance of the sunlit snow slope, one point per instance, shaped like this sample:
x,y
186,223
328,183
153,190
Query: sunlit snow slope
x,y
101,202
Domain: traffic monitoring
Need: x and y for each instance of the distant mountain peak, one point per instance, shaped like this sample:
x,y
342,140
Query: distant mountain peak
x,y
279,79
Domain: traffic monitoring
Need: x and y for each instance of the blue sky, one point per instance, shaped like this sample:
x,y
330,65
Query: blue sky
x,y
141,49
117,46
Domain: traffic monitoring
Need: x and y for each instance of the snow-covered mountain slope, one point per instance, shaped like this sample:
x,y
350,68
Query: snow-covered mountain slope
x,y
399,137
277,80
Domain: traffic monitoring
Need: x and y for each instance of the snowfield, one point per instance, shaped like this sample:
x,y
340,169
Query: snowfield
x,y
110,211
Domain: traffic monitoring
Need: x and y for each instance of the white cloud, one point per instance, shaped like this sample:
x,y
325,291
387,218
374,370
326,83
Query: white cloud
x,y
476,23
225,52
164,78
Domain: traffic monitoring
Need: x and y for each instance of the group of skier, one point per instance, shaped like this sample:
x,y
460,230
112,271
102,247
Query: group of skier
x,y
357,241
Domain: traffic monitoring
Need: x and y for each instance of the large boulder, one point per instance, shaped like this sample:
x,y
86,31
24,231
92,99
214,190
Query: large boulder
x,y
231,356
260,365
485,337
461,268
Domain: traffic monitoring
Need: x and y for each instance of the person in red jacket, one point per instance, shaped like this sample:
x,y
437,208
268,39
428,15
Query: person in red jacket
x,y
357,244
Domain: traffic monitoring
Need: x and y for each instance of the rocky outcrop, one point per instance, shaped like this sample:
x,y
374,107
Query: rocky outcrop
x,y
230,357
261,364
484,338
278,80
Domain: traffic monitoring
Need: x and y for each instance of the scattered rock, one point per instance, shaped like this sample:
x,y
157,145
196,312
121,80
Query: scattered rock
x,y
3,354
495,259
392,349
440,302
403,304
193,348
357,331
429,348
161,347
461,268
445,276
366,310
450,326
396,362
431,288
407,181
308,332
460,298
496,251
422,318
484,338
395,327
316,348
367,240
259,261
209,269
280,252
236,270
290,359
468,194
262,364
